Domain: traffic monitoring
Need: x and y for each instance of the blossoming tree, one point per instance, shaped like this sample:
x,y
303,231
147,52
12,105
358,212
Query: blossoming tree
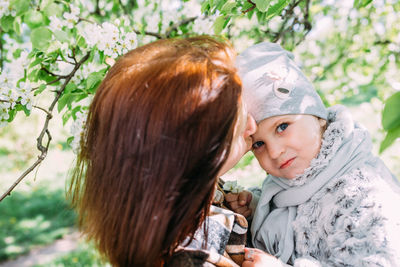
x,y
65,47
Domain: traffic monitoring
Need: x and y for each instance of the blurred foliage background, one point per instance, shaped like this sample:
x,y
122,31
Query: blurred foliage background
x,y
54,53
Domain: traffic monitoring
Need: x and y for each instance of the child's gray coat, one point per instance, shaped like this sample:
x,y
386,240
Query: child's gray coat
x,y
353,219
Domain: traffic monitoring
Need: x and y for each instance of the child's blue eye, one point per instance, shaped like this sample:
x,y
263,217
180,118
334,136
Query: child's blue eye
x,y
281,127
257,144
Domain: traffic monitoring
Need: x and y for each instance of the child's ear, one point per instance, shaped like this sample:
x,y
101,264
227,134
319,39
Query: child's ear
x,y
322,123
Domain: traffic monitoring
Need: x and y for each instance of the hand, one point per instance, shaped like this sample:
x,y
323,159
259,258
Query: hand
x,y
257,258
239,203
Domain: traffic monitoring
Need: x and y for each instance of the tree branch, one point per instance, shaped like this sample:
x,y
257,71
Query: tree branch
x,y
251,8
44,148
54,74
158,36
175,26
97,10
42,109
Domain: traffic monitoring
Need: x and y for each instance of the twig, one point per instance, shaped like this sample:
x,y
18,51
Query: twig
x,y
284,28
73,57
178,24
158,36
97,10
84,19
54,74
42,109
44,148
251,8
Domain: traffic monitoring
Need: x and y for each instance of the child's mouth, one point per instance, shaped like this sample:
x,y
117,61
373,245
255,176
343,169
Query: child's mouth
x,y
287,163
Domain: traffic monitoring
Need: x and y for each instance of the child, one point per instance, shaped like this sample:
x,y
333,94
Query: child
x,y
327,200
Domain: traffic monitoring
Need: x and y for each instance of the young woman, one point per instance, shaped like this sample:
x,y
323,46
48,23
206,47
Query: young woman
x,y
164,124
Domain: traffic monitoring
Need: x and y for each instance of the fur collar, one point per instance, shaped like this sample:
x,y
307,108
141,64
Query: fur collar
x,y
340,125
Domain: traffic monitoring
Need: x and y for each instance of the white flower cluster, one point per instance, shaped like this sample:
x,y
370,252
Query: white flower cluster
x,y
10,95
204,25
70,19
109,38
6,9
232,186
77,130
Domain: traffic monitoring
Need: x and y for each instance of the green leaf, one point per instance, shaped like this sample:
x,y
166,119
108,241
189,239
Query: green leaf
x,y
17,25
39,90
70,113
205,6
246,6
262,5
361,3
69,139
276,9
54,46
38,60
93,81
70,88
66,116
33,75
219,4
26,111
391,136
219,24
228,6
366,3
33,18
261,16
21,6
81,42
41,38
65,100
11,115
61,36
7,23
391,112
17,53
52,9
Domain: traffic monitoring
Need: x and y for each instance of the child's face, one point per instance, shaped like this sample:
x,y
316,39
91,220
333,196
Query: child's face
x,y
285,145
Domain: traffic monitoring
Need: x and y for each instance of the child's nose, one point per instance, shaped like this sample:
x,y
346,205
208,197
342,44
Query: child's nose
x,y
251,126
275,149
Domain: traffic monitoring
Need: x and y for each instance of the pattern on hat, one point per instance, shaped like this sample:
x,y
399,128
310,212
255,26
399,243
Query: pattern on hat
x,y
274,85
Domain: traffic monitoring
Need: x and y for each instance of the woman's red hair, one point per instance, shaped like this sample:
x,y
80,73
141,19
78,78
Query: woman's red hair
x,y
158,131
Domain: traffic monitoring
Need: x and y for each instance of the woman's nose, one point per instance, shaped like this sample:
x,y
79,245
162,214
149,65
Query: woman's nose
x,y
251,126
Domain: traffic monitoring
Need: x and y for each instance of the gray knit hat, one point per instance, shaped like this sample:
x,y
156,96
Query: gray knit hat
x,y
274,85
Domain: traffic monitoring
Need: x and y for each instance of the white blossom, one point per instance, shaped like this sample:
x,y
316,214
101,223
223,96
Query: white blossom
x,y
110,39
8,97
6,9
131,39
25,94
56,23
90,32
204,25
232,186
77,130
72,17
